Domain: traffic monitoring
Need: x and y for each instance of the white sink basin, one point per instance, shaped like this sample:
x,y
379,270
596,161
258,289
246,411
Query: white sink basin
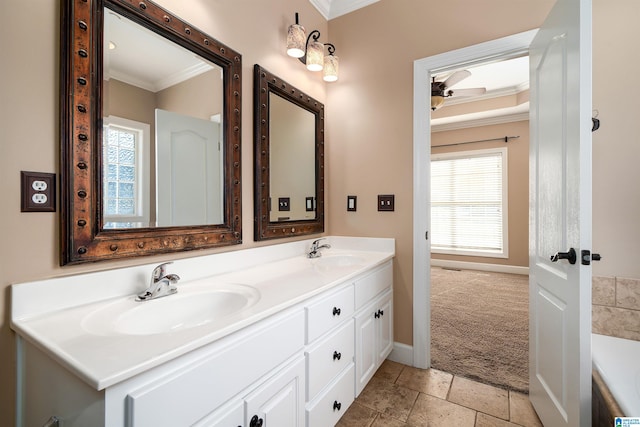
x,y
327,261
184,310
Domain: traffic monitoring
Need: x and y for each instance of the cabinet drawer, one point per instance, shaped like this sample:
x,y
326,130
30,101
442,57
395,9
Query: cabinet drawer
x,y
371,285
327,409
185,396
329,357
329,312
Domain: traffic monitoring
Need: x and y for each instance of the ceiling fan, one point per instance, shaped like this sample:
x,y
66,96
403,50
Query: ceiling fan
x,y
442,89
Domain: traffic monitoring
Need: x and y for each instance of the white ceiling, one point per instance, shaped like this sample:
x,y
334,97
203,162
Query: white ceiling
x,y
500,78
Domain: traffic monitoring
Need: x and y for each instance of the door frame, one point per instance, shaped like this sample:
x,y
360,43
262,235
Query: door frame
x,y
509,46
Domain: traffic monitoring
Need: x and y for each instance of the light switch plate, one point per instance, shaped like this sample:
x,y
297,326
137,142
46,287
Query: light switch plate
x,y
37,192
386,202
352,203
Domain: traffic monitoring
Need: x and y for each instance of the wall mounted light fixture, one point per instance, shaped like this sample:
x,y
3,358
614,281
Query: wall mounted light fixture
x,y
311,52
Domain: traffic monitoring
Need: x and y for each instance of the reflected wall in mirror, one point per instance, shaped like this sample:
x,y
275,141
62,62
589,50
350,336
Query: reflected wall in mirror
x,y
289,159
150,133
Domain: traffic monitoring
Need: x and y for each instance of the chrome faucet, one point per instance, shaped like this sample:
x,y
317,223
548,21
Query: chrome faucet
x,y
314,252
162,284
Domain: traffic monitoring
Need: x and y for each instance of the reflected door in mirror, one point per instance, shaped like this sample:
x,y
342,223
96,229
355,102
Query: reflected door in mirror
x,y
188,170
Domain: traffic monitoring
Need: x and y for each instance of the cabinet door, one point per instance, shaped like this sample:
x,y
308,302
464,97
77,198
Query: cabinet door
x,y
280,400
366,350
230,415
385,327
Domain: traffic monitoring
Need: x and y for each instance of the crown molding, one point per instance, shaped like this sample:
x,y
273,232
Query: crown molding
x,y
486,121
323,6
334,8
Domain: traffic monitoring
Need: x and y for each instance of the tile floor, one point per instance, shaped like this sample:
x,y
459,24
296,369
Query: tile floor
x,y
399,395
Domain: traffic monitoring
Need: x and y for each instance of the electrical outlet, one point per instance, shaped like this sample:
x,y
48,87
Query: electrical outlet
x,y
39,185
386,202
37,191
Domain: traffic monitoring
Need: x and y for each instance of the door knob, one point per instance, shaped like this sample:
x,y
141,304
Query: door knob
x,y
569,256
587,257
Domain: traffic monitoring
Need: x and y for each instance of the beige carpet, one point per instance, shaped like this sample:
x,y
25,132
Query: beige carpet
x,y
480,326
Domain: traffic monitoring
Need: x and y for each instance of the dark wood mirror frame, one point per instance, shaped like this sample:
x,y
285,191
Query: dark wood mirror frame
x,y
82,239
264,229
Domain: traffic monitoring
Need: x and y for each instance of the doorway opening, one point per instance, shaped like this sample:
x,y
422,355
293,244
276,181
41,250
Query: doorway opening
x,y
479,223
508,47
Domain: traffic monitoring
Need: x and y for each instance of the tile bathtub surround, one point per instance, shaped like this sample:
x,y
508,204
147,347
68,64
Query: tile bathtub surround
x,y
403,396
616,307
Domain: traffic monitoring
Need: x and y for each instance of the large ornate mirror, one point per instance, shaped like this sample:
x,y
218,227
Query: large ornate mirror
x,y
289,159
150,133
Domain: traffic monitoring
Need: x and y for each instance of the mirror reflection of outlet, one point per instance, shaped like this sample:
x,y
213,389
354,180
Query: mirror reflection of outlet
x,y
37,191
284,204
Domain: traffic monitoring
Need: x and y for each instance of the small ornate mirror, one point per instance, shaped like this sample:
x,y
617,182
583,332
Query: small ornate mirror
x,y
289,159
150,133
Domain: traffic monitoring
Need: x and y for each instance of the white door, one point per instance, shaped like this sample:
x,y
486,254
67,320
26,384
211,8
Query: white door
x,y
188,185
560,216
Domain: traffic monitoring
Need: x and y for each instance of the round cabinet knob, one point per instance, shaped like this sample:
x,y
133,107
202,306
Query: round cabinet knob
x,y
336,405
336,311
336,355
255,421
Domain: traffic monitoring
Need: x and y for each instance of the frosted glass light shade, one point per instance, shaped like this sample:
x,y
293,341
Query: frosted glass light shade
x,y
436,102
296,39
330,70
315,56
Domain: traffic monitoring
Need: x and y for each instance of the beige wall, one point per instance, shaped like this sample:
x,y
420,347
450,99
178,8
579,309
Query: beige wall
x,y
369,122
616,147
200,96
371,153
29,97
518,183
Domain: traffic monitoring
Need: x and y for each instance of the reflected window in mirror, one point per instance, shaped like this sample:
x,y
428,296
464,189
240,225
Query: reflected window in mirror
x,y
289,159
126,169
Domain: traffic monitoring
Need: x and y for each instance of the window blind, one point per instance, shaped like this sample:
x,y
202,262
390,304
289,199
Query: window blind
x,y
467,202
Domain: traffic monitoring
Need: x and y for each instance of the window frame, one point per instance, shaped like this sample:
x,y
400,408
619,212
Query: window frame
x,y
505,203
143,174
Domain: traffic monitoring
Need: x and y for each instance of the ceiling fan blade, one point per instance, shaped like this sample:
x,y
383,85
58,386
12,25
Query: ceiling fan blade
x,y
468,92
456,77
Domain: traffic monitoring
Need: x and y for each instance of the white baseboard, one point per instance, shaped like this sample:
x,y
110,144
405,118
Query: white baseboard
x,y
463,265
401,353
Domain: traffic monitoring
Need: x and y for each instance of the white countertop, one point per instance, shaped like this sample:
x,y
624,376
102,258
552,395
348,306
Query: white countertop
x,y
50,313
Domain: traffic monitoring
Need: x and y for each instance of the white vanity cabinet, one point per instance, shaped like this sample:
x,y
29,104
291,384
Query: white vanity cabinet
x,y
259,369
329,356
276,402
373,323
300,362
